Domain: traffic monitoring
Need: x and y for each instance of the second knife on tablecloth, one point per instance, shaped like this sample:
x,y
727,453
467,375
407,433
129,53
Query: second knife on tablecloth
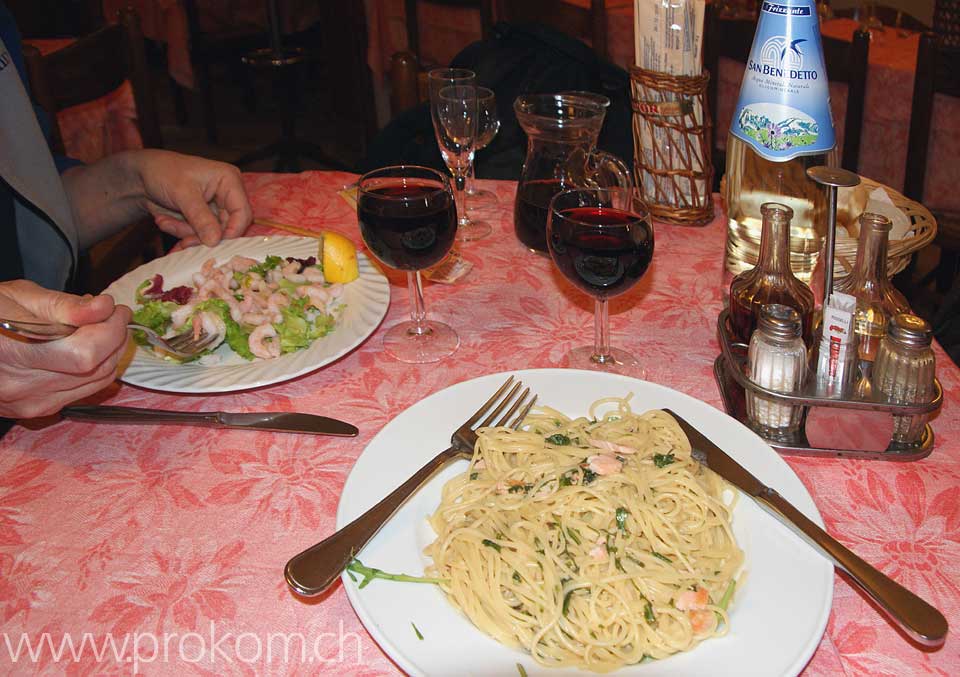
x,y
273,421
919,620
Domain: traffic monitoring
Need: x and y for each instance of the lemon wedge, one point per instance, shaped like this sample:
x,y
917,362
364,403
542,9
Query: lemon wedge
x,y
339,258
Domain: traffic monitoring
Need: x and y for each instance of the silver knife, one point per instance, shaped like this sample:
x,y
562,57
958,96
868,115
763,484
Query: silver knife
x,y
922,622
274,421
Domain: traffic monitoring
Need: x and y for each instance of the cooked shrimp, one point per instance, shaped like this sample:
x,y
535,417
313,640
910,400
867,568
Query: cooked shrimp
x,y
689,600
319,296
255,319
208,267
314,275
606,445
603,464
180,316
702,621
291,272
277,301
264,343
210,324
599,551
241,263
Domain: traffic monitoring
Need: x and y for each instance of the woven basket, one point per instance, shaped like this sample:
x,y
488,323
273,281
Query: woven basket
x,y
676,185
898,251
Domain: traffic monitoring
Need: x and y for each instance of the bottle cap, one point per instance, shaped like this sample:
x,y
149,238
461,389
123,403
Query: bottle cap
x,y
910,330
779,321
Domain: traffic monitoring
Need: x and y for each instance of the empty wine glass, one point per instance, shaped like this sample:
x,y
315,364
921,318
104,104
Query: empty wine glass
x,y
601,240
488,124
408,221
453,108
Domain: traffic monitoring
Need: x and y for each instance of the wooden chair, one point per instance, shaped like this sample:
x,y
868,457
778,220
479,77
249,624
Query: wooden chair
x,y
846,62
408,67
88,69
407,75
585,23
936,74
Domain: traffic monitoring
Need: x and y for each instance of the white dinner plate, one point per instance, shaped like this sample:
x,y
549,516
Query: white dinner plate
x,y
366,299
778,614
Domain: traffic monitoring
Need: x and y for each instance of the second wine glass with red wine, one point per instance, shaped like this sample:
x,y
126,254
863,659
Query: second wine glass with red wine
x,y
601,240
408,220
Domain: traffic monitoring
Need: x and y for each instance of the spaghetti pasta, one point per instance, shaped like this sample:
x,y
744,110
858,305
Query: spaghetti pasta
x,y
591,542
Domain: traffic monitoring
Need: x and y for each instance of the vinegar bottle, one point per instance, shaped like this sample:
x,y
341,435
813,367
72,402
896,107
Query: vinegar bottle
x,y
771,280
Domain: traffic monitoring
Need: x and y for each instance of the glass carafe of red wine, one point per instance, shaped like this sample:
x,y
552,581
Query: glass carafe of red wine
x,y
562,131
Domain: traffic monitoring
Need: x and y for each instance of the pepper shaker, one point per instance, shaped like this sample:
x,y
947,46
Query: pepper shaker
x,y
904,371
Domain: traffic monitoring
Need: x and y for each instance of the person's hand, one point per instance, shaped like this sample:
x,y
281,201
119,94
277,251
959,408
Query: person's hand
x,y
194,199
37,379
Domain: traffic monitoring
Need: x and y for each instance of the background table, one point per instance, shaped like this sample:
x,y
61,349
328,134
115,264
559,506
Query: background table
x,y
178,530
893,57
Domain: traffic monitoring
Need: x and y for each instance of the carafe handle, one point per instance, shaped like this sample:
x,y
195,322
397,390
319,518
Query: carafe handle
x,y
605,170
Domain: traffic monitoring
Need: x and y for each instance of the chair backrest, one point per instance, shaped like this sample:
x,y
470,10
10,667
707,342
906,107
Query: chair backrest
x,y
56,18
936,73
92,67
846,62
413,24
579,22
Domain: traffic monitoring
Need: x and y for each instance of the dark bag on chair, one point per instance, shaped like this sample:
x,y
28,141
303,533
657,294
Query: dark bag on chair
x,y
517,60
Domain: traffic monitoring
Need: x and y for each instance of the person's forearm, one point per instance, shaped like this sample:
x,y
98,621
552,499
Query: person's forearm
x,y
106,195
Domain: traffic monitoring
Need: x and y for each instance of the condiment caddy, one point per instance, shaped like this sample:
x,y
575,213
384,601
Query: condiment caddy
x,y
812,417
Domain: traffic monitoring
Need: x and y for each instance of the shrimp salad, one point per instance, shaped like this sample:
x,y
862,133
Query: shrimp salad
x,y
260,309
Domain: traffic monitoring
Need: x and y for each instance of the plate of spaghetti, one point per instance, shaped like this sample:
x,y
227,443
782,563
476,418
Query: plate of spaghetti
x,y
587,541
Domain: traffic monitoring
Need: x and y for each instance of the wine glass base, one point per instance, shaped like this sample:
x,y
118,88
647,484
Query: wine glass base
x,y
403,343
616,362
481,199
473,230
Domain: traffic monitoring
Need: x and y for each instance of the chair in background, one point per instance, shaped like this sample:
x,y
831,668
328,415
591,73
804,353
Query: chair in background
x,y
936,74
408,68
846,62
56,18
585,23
407,72
89,69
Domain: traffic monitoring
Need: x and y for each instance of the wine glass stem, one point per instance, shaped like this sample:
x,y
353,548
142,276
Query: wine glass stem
x,y
601,332
460,177
418,312
471,187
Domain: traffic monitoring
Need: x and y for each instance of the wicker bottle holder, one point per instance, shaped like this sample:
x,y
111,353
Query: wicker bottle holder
x,y
670,112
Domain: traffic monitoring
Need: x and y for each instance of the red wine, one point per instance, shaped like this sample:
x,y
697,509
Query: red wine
x,y
604,251
408,227
530,211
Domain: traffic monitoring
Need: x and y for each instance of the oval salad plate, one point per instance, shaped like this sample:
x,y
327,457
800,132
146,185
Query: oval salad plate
x,y
366,301
777,617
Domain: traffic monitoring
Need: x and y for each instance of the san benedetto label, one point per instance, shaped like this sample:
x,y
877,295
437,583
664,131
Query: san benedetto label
x,y
784,105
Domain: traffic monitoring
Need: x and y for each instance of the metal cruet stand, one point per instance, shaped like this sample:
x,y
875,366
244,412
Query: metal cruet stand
x,y
852,426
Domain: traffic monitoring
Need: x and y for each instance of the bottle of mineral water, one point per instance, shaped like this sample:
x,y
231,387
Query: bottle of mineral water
x,y
781,126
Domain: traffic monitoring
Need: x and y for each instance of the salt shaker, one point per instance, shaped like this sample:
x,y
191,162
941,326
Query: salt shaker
x,y
904,371
777,360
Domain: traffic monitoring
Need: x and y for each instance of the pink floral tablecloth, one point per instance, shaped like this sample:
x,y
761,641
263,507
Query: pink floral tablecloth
x,y
173,539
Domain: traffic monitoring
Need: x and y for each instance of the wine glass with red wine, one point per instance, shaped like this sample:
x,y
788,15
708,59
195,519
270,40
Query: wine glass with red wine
x,y
408,220
601,239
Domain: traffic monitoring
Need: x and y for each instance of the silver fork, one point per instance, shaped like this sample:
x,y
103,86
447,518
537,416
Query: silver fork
x,y
183,346
316,568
